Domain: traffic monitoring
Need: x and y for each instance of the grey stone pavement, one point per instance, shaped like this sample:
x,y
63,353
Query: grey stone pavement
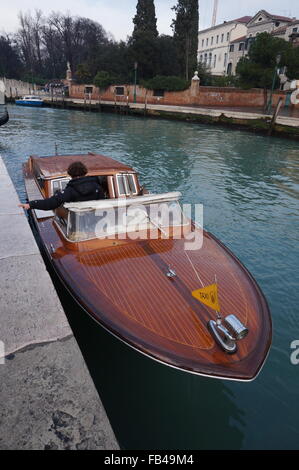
x,y
48,399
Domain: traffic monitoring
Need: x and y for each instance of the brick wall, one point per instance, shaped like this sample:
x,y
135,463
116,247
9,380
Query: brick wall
x,y
204,96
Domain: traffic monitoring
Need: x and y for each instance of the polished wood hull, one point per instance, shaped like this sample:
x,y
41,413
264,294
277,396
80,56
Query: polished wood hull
x,y
124,286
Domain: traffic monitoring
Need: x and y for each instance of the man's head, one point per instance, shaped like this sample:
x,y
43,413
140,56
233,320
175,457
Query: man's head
x,y
77,170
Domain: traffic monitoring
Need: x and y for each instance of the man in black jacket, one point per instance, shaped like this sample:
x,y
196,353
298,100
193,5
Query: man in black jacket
x,y
79,188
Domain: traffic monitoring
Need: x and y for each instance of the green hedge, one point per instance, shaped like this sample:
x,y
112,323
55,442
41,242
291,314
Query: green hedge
x,y
171,83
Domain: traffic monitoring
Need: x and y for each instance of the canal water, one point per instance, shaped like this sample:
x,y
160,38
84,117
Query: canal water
x,y
249,187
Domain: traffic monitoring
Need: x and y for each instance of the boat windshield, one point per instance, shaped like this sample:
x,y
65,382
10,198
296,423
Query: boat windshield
x,y
31,98
101,223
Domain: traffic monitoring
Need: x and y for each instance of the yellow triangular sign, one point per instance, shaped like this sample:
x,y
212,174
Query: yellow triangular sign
x,y
208,296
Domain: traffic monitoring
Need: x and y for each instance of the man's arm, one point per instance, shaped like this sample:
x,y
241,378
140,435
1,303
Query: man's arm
x,y
50,203
47,204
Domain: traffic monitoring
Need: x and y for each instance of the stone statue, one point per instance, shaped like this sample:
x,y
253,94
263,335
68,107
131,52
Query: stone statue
x,y
196,77
68,72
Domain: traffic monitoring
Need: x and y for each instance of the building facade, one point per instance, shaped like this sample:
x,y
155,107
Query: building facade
x,y
222,46
263,22
214,43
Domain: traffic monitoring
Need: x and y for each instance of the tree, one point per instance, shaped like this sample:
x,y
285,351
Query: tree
x,y
162,82
257,69
83,74
10,63
185,27
168,62
145,20
104,79
29,41
143,46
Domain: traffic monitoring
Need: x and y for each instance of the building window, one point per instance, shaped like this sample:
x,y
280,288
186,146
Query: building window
x,y
227,37
260,18
232,48
202,43
206,58
119,90
207,42
88,90
212,40
158,93
277,24
217,39
225,59
222,37
200,58
229,68
215,60
295,30
210,59
241,46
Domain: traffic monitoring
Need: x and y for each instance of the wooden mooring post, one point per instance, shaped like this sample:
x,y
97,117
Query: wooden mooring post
x,y
275,114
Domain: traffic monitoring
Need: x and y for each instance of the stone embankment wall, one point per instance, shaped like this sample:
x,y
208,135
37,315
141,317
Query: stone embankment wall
x,y
194,96
16,88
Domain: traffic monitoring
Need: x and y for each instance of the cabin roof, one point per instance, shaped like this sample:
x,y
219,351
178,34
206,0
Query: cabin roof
x,y
57,165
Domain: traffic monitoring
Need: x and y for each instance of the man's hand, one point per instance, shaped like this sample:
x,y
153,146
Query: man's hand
x,y
24,206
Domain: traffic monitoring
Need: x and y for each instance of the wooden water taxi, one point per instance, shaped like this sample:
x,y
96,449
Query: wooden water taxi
x,y
131,269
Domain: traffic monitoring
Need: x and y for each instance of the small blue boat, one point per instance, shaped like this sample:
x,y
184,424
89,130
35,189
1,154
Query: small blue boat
x,y
30,100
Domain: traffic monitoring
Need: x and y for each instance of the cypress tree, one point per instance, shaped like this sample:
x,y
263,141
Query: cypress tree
x,y
145,20
143,45
185,27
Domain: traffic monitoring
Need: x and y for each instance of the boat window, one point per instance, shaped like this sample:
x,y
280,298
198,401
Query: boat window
x,y
121,185
132,184
40,180
59,184
101,223
126,184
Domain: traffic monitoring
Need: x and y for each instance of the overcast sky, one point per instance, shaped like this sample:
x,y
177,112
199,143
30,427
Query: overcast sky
x,y
116,15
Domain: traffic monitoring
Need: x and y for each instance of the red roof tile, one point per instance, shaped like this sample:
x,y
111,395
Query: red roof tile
x,y
242,38
243,19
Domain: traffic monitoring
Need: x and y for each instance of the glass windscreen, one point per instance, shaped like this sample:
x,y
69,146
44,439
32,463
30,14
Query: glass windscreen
x,y
101,223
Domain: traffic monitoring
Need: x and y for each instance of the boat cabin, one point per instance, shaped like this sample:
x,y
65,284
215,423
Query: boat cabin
x,y
31,98
117,179
126,208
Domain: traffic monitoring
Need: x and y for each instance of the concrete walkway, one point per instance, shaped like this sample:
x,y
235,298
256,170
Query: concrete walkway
x,y
48,399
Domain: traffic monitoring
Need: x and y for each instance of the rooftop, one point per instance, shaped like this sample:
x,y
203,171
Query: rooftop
x,y
58,164
242,38
280,30
243,19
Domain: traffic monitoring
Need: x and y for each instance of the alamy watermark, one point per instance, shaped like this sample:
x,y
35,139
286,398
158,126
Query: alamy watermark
x,y
295,354
2,353
166,220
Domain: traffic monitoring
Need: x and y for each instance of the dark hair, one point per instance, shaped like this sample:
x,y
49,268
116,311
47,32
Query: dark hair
x,y
77,169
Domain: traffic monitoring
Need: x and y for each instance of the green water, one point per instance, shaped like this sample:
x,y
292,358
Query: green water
x,y
249,187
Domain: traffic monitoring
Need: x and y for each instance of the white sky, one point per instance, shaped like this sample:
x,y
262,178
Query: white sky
x,y
116,15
